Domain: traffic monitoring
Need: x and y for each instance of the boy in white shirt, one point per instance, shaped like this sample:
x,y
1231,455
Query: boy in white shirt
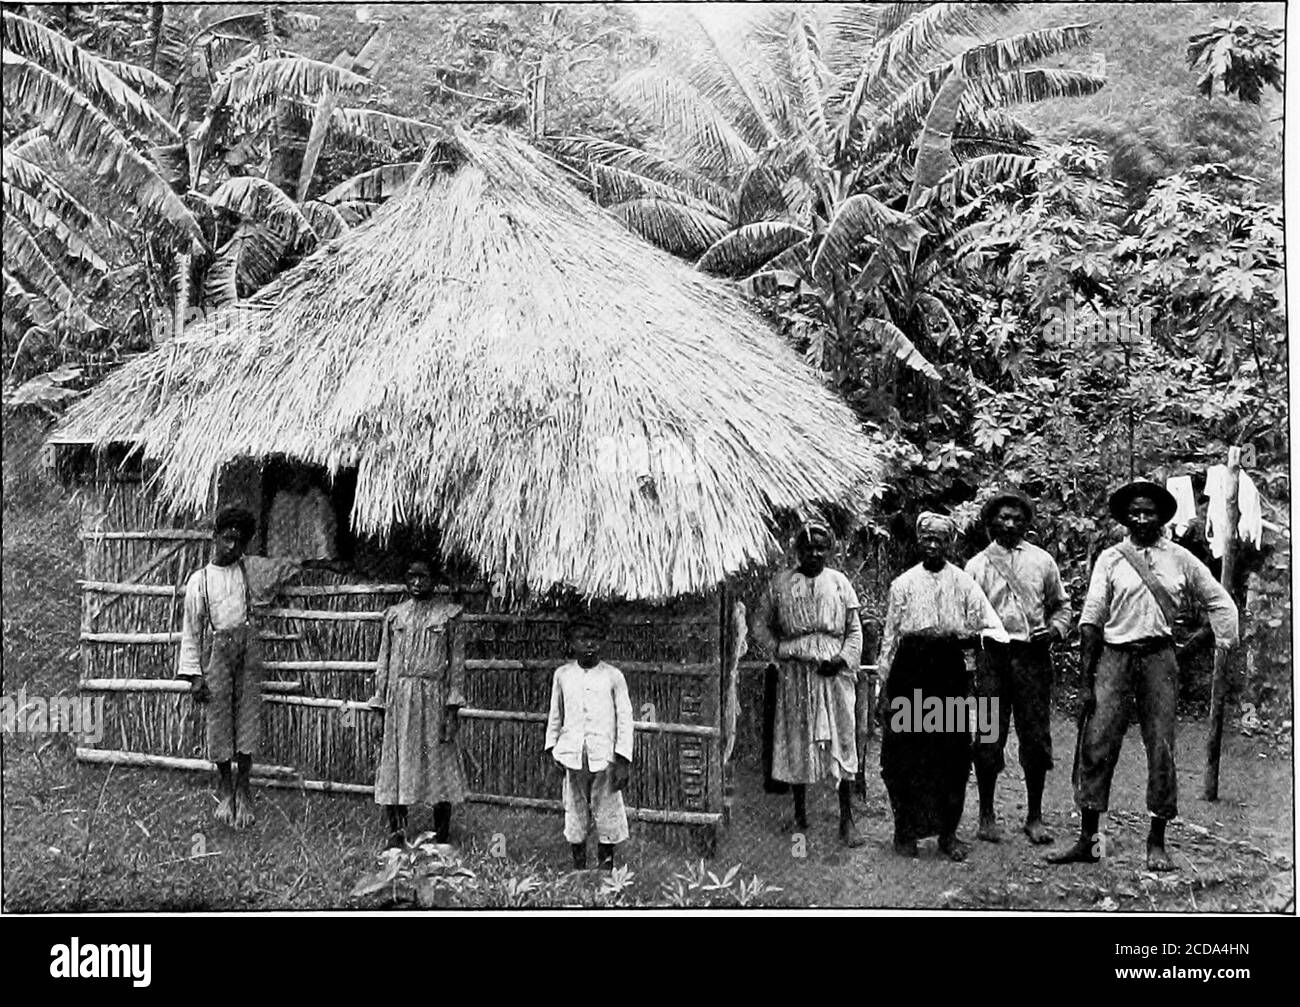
x,y
589,739
221,603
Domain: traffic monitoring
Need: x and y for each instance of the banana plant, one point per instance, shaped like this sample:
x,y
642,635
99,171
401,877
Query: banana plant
x,y
786,157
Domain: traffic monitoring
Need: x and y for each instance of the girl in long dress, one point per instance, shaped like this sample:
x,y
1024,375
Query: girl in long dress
x,y
420,687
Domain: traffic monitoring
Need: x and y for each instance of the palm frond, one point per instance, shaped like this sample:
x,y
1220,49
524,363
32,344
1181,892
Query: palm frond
x,y
24,258
55,232
969,180
326,220
376,184
682,230
254,27
1012,51
88,135
34,179
893,342
247,262
749,247
396,131
690,120
1017,87
255,200
82,72
621,173
813,79
934,148
320,125
723,76
857,218
251,88
21,307
762,196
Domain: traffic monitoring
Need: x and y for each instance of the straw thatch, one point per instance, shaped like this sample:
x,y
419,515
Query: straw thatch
x,y
500,358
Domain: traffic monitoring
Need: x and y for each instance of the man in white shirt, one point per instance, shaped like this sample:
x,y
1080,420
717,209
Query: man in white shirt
x,y
589,739
1127,647
1023,584
221,601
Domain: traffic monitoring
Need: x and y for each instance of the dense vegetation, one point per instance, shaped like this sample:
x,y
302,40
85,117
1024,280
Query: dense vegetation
x,y
934,203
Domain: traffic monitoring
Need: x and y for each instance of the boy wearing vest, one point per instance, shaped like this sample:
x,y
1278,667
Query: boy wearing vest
x,y
1023,583
1137,589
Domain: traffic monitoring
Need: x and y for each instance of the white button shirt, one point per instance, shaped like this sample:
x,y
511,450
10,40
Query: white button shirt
x,y
591,712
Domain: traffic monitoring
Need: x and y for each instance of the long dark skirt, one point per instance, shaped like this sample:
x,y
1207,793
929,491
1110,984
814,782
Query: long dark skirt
x,y
925,773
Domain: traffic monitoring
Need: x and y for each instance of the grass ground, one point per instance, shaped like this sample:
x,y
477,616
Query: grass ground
x,y
81,838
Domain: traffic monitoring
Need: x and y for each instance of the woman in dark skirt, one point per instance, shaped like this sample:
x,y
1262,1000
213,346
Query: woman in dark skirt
x,y
935,612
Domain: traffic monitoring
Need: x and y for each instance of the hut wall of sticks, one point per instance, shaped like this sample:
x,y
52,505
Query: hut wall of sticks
x,y
320,648
566,407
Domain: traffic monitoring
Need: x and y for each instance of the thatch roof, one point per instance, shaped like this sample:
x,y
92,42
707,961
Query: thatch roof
x,y
499,357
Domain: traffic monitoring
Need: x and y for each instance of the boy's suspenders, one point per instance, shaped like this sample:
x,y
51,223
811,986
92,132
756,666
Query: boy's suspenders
x,y
248,599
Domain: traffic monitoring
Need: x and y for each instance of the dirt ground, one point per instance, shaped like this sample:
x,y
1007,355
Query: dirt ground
x,y
78,837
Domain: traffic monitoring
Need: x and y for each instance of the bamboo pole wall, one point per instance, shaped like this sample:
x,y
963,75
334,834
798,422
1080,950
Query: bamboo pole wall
x,y
320,646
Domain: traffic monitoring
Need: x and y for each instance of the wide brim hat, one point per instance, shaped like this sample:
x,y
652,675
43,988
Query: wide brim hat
x,y
1166,505
1006,496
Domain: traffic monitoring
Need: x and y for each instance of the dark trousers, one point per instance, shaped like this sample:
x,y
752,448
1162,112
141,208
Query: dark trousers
x,y
1019,676
1150,673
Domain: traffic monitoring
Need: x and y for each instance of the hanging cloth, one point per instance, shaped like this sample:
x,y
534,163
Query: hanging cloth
x,y
1180,487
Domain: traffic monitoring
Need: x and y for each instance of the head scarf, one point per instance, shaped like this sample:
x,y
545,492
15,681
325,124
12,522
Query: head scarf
x,y
929,521
810,529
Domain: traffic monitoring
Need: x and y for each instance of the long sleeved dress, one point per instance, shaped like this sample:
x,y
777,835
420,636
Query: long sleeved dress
x,y
420,672
801,622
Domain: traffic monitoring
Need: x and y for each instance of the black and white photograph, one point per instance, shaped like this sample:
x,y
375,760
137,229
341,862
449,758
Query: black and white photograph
x,y
648,458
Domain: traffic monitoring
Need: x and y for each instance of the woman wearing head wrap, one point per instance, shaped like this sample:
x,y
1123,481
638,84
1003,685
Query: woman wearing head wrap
x,y
935,611
808,622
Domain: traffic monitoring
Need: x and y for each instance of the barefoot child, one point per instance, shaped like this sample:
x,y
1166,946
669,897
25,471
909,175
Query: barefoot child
x,y
589,739
221,602
419,686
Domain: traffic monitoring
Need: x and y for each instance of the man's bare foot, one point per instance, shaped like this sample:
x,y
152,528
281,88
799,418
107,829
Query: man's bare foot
x,y
396,841
244,817
953,848
989,830
1158,859
225,813
1082,852
906,848
1037,832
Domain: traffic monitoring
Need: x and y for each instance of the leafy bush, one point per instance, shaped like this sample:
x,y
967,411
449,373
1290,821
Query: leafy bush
x,y
425,874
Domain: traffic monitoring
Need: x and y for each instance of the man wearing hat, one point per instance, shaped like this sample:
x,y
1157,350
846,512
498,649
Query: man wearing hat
x,y
808,622
1024,586
221,602
1137,589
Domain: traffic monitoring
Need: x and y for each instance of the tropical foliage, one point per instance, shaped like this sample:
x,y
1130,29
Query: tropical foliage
x,y
786,158
226,170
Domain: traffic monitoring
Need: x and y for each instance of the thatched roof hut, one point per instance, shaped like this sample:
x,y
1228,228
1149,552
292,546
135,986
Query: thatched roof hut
x,y
499,358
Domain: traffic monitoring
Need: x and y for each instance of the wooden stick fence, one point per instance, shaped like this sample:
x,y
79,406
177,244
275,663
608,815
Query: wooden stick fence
x,y
287,777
